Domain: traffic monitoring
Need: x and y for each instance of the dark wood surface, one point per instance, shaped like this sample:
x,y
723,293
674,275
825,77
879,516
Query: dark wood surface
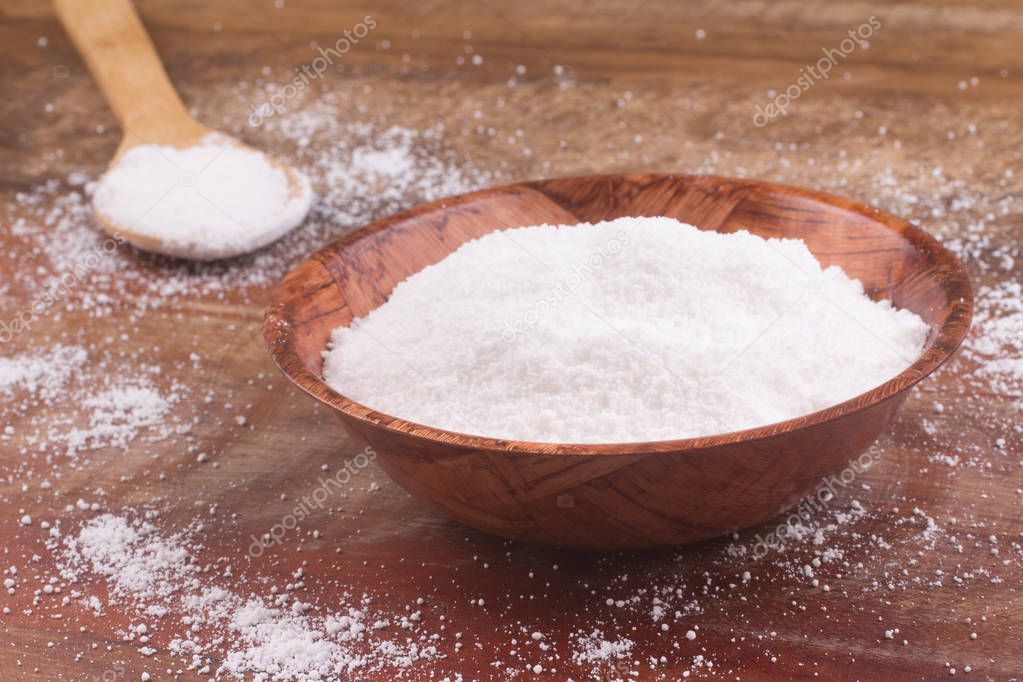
x,y
907,130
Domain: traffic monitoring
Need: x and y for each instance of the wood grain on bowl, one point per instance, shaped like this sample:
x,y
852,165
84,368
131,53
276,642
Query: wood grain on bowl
x,y
629,495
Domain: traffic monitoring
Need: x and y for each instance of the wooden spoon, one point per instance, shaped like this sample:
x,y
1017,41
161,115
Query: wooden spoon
x,y
113,42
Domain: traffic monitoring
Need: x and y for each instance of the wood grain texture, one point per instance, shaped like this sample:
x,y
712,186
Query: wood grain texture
x,y
627,495
644,94
124,63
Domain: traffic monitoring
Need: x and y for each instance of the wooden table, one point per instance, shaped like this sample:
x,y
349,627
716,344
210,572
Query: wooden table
x,y
638,86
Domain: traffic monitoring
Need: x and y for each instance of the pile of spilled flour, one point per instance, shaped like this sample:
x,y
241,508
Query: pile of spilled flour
x,y
216,199
634,329
157,581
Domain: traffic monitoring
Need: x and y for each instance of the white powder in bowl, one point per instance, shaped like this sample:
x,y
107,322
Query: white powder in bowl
x,y
216,199
635,329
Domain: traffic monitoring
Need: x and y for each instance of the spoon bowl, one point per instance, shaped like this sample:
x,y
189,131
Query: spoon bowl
x,y
122,59
622,495
232,239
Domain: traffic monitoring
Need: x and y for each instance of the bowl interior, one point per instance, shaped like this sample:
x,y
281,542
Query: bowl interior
x,y
357,273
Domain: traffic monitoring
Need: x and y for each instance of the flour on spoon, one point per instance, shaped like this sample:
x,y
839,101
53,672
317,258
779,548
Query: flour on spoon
x,y
216,199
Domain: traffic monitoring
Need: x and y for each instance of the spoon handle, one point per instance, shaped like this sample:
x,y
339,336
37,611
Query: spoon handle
x,y
111,39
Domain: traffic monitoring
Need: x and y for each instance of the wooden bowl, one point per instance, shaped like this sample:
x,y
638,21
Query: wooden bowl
x,y
624,495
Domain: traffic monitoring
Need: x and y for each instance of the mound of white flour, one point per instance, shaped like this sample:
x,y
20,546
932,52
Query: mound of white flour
x,y
216,199
634,329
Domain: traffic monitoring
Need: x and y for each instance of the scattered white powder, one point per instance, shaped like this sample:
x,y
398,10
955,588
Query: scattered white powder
x,y
629,330
214,200
118,414
282,645
389,163
99,411
150,574
139,563
593,647
41,374
997,338
369,171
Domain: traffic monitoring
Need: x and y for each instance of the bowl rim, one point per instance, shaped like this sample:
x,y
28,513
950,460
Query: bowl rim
x,y
278,332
